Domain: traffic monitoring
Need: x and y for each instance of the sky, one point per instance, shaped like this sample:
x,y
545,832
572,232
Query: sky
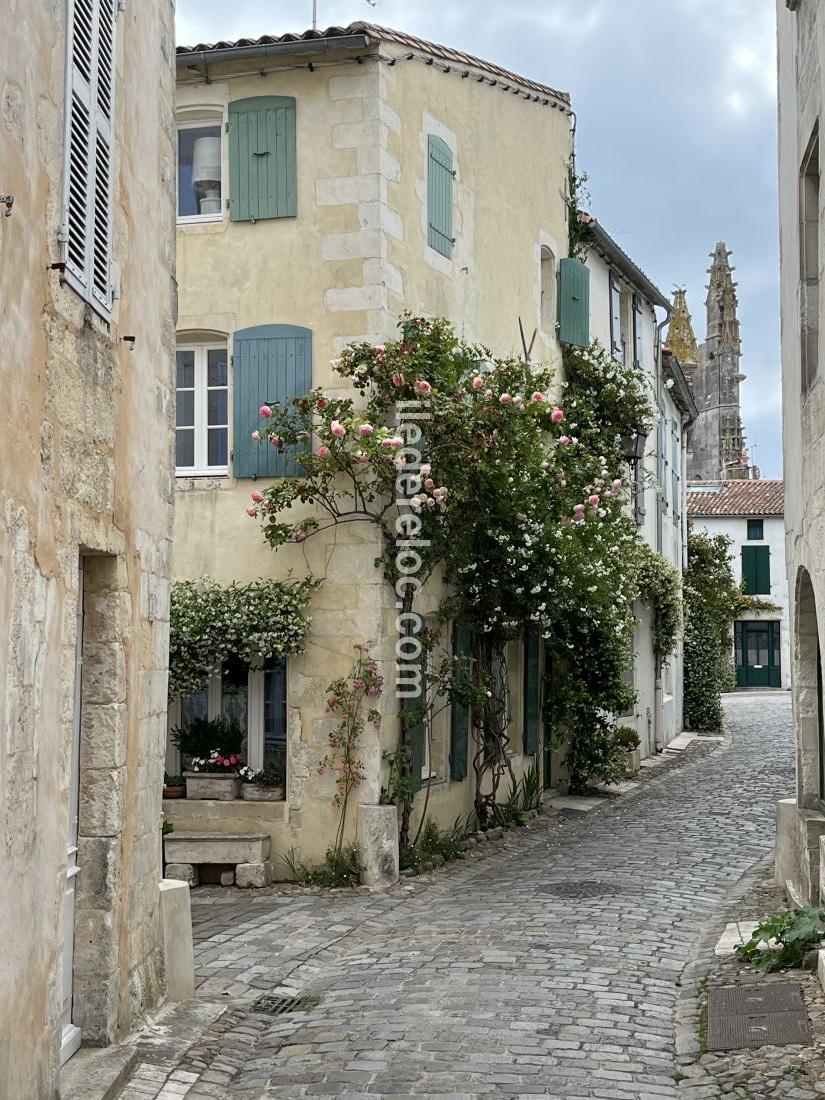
x,y
676,107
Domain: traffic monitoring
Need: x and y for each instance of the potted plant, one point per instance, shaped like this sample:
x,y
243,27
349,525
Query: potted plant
x,y
174,786
628,738
212,748
268,785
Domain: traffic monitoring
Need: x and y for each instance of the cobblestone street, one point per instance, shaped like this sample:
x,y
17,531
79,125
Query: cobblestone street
x,y
549,968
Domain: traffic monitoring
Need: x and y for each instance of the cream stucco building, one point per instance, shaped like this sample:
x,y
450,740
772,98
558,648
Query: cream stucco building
x,y
87,333
801,820
392,174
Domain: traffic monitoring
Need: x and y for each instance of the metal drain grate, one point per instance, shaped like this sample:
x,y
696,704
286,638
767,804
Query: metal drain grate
x,y
275,1004
587,889
756,1015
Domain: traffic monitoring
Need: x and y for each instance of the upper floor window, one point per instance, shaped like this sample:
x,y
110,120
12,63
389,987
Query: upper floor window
x,y
637,331
86,224
547,311
616,341
809,264
201,444
200,185
756,530
440,176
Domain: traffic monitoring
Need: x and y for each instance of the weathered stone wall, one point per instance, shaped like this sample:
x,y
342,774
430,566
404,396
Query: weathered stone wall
x,y
801,101
85,449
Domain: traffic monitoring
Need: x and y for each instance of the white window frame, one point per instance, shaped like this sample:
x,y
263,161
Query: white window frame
x,y
196,120
201,425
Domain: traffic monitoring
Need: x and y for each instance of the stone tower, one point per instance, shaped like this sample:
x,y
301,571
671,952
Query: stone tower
x,y
718,442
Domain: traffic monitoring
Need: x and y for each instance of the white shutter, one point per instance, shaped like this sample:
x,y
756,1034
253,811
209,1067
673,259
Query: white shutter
x,y
87,220
616,347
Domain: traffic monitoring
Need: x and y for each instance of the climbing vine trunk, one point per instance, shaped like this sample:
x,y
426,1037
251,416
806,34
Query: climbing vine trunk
x,y
491,721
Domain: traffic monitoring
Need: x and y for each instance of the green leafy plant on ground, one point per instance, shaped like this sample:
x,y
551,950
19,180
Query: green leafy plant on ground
x,y
627,737
341,867
525,795
433,841
794,931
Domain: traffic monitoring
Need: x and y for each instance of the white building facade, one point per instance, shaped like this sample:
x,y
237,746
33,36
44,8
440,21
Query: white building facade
x,y
751,514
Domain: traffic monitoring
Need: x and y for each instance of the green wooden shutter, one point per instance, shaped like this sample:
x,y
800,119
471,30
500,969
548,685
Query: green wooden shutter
x,y
574,302
270,364
749,570
262,158
440,176
532,696
756,570
459,713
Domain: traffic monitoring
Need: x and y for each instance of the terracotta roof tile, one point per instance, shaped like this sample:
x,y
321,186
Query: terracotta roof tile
x,y
387,34
760,497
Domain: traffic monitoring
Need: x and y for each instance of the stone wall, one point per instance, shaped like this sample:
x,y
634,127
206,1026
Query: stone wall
x,y
85,448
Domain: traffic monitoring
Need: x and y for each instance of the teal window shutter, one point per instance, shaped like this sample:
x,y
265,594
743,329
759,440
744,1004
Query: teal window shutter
x,y
532,694
271,364
756,570
262,158
440,175
574,302
459,713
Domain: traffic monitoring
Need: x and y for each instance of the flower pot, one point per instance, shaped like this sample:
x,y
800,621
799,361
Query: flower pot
x,y
174,792
633,761
252,792
222,786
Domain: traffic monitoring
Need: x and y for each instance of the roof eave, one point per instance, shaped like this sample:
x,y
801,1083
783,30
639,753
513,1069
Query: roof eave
x,y
620,259
188,58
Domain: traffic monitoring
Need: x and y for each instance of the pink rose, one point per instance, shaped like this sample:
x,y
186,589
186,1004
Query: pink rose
x,y
557,415
505,399
518,401
565,440
593,499
398,380
423,387
429,483
398,462
321,403
430,502
276,440
426,470
617,484
265,411
387,444
251,512
323,452
488,393
537,397
379,349
366,429
338,429
477,383
578,508
256,435
257,495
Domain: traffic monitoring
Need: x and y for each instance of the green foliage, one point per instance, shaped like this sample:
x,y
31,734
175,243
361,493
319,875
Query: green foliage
x,y
273,775
202,736
711,599
167,827
660,585
525,795
434,841
210,623
173,780
341,867
599,757
627,737
794,932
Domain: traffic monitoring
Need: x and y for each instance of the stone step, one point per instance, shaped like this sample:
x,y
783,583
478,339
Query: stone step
x,y
201,847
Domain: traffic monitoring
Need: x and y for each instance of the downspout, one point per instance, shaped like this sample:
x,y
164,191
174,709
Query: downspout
x,y
658,689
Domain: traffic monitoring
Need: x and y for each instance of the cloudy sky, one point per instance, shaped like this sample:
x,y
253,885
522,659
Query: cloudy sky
x,y
676,108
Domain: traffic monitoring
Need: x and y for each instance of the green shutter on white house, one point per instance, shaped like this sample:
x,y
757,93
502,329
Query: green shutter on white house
x,y
574,302
532,693
459,713
270,364
756,570
262,158
440,175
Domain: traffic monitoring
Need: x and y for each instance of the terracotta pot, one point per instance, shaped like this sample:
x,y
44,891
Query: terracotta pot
x,y
251,792
174,792
221,786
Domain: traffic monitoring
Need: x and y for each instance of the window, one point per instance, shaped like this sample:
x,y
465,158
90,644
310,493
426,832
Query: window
x,y
809,264
460,714
201,443
532,694
616,343
756,529
86,229
756,570
547,311
661,453
676,471
637,331
253,697
262,158
200,196
270,364
440,176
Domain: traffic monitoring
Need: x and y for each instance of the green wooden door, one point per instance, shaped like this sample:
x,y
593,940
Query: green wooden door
x,y
758,662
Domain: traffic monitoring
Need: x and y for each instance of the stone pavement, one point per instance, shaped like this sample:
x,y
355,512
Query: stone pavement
x,y
550,968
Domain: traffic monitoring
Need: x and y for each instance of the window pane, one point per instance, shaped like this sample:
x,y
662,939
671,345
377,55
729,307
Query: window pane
x,y
275,715
185,447
185,368
217,449
216,367
199,171
185,411
216,407
194,706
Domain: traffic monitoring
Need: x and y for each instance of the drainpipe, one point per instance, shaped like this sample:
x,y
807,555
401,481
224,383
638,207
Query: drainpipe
x,y
658,689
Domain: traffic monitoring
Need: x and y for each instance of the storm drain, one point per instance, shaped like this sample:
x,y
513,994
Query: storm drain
x,y
276,1005
587,888
757,1015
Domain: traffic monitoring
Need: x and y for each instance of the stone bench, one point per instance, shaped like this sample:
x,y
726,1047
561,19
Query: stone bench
x,y
249,852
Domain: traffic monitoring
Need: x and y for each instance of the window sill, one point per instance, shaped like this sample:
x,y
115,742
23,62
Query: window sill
x,y
200,219
220,471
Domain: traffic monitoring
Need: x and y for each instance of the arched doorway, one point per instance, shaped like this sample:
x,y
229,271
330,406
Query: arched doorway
x,y
808,704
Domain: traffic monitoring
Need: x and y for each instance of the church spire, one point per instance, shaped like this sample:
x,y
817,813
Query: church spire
x,y
721,302
681,338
